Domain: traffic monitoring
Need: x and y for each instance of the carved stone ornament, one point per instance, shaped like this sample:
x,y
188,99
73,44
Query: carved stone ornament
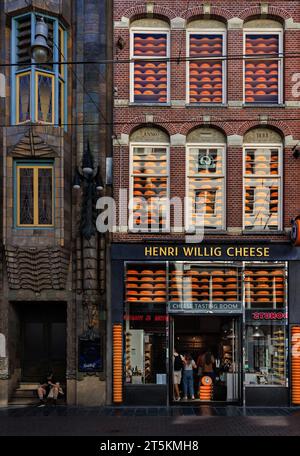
x,y
36,269
32,145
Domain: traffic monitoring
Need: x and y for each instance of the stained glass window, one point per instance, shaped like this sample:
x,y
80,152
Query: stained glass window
x,y
149,188
206,76
26,196
206,180
262,70
34,195
150,79
45,88
262,188
45,196
23,100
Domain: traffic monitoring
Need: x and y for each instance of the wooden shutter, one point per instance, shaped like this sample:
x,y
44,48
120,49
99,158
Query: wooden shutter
x,y
23,41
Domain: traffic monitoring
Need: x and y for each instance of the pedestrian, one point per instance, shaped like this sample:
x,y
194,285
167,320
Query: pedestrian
x,y
208,362
188,377
177,373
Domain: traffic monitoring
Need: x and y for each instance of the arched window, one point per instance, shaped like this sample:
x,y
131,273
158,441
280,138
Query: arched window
x,y
149,51
262,180
149,182
206,171
38,91
206,39
263,65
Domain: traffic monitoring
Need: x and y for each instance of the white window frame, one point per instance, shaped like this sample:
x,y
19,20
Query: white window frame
x,y
153,30
222,146
167,228
270,31
224,63
267,177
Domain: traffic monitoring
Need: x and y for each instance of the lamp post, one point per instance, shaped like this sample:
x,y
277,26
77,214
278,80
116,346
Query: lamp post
x,y
89,178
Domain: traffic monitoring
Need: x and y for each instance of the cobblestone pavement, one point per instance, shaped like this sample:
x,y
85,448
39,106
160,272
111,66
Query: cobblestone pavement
x,y
156,421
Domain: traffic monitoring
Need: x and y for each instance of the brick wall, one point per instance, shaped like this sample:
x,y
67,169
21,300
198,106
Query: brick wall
x,y
231,119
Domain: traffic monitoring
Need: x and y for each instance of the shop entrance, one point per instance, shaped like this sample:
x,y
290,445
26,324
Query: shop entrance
x,y
214,343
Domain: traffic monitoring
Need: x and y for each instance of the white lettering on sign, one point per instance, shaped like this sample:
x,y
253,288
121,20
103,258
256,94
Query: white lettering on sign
x,y
2,346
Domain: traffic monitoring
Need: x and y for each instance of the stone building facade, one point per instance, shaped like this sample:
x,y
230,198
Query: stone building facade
x,y
53,279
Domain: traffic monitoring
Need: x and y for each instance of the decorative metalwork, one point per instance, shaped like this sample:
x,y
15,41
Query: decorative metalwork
x,y
92,183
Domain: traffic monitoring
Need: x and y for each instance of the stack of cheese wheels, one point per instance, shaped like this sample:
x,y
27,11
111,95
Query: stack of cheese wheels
x,y
117,363
296,365
206,389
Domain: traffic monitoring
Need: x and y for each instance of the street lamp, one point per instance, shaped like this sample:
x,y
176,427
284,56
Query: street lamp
x,y
40,51
91,181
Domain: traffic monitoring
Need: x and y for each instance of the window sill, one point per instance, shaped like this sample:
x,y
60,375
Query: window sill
x,y
263,233
263,105
206,105
167,105
141,232
34,228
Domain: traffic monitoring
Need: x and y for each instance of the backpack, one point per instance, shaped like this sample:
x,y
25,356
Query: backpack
x,y
178,363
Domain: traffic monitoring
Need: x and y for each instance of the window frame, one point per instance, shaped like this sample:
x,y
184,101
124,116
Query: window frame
x,y
205,31
36,107
30,164
167,227
279,59
223,147
155,30
35,68
17,105
279,177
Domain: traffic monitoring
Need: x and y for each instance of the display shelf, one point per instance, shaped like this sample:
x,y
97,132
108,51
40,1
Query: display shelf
x,y
146,284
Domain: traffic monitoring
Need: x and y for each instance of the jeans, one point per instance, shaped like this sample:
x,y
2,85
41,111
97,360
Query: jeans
x,y
188,383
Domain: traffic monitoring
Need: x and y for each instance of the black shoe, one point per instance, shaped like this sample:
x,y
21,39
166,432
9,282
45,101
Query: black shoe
x,y
42,403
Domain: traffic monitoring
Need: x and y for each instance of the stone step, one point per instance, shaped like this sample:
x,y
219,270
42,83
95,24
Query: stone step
x,y
27,386
23,401
24,393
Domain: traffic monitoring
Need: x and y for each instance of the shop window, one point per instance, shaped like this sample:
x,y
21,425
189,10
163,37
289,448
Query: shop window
x,y
265,362
206,187
150,69
34,195
262,188
211,284
265,288
149,188
39,91
206,77
263,67
145,324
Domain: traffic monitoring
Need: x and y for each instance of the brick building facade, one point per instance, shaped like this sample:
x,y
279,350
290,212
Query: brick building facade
x,y
241,99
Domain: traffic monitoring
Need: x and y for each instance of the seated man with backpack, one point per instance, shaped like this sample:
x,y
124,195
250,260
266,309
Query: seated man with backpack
x,y
177,373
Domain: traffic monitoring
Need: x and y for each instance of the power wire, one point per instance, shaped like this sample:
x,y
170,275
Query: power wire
x,y
241,57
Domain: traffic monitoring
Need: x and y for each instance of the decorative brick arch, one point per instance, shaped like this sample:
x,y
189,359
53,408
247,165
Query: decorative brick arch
x,y
224,127
140,122
215,11
273,12
281,127
139,11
